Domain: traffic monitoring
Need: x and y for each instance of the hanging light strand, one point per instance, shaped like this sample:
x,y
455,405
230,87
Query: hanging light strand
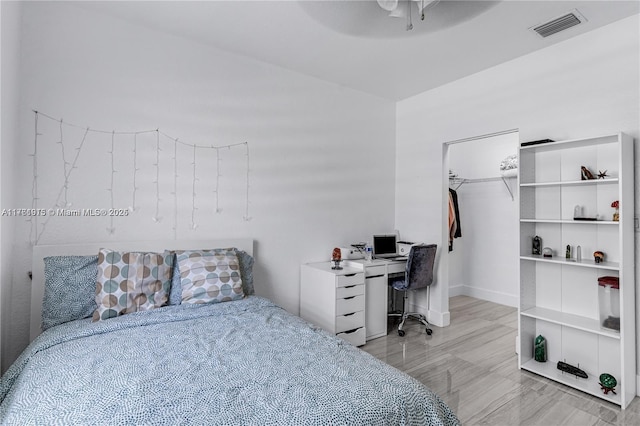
x,y
133,207
217,190
246,212
156,217
33,229
67,176
193,193
175,189
111,230
65,164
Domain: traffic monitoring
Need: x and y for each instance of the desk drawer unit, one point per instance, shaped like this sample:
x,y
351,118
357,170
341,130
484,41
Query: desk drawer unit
x,y
334,300
349,322
355,337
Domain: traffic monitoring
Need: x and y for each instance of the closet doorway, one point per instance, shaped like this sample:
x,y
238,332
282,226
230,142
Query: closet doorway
x,y
483,258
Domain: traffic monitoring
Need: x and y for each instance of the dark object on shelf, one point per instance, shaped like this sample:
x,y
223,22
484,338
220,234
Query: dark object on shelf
x,y
602,175
585,218
608,383
568,368
609,302
598,256
536,142
547,252
612,323
540,349
614,282
537,245
568,252
586,173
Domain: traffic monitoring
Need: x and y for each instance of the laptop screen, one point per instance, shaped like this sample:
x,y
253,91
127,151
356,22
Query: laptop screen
x,y
384,244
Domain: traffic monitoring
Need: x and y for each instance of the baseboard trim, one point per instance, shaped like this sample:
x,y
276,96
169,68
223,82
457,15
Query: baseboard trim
x,y
488,295
439,319
456,290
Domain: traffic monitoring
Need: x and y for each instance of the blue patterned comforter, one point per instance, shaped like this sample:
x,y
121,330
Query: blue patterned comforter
x,y
242,362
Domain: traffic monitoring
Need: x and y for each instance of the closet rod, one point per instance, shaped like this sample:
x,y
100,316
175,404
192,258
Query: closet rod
x,y
460,181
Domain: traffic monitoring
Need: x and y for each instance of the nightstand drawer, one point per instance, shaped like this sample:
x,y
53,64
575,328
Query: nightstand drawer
x,y
351,279
352,290
349,305
349,321
356,337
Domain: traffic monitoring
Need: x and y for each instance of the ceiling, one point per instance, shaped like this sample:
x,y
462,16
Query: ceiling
x,y
355,44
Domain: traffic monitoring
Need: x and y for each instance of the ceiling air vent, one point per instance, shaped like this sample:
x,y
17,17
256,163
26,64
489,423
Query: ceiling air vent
x,y
561,23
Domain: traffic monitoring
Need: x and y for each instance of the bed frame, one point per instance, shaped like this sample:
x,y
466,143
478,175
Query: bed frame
x,y
42,251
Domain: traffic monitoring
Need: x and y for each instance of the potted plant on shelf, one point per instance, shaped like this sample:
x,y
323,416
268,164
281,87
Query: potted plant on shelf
x,y
616,214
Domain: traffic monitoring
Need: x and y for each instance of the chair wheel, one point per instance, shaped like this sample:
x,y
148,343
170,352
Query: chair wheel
x,y
400,333
429,331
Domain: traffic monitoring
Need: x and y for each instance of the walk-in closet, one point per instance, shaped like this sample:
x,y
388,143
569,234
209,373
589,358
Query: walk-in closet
x,y
483,220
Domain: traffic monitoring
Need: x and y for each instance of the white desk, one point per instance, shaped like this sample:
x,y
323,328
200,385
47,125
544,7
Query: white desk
x,y
351,302
376,281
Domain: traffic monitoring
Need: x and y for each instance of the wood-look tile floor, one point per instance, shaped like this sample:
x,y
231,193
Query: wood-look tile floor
x,y
473,367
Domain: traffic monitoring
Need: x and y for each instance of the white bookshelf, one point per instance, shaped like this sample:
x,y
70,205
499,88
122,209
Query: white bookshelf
x,y
559,296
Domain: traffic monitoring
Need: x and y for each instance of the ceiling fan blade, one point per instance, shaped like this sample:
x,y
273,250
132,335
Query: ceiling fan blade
x,y
388,5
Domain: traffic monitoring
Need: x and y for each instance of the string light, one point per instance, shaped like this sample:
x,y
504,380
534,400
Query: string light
x,y
65,163
62,200
217,190
33,229
175,189
156,218
193,195
133,207
111,230
246,212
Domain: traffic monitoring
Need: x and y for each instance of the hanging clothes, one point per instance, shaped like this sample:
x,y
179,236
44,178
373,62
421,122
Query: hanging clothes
x,y
454,218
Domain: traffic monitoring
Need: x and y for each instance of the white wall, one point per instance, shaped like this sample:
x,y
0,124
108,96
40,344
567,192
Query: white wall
x,y
312,147
587,85
9,107
484,261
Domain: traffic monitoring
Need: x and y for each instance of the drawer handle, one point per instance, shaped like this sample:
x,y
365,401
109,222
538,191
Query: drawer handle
x,y
350,297
375,276
351,331
350,275
349,286
348,315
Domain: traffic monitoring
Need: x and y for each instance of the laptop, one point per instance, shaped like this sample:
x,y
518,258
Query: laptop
x,y
385,246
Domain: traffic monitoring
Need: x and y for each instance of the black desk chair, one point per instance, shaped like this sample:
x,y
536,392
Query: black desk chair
x,y
418,274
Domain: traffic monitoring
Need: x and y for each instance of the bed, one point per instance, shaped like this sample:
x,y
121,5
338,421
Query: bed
x,y
245,361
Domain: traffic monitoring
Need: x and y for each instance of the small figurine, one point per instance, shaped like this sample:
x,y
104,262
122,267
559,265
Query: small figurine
x,y
336,258
540,351
608,383
547,252
598,256
602,175
616,213
586,173
537,243
568,253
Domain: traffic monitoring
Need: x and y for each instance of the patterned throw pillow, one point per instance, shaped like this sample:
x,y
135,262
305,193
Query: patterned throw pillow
x,y
209,275
246,273
69,289
131,281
